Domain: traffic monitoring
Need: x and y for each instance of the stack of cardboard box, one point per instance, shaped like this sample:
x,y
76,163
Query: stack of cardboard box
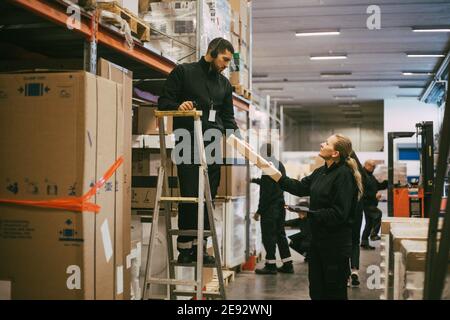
x,y
146,164
63,130
240,38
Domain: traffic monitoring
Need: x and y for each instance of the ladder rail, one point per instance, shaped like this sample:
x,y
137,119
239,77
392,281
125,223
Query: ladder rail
x,y
153,232
167,205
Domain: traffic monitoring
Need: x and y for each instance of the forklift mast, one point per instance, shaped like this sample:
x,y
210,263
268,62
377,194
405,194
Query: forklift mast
x,y
425,130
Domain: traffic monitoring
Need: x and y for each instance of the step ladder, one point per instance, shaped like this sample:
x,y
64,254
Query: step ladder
x,y
163,198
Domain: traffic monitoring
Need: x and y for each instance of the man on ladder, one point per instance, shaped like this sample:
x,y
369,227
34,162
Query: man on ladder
x,y
200,86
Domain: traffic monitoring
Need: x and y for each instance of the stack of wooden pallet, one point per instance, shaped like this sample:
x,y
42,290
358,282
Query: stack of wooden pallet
x,y
139,28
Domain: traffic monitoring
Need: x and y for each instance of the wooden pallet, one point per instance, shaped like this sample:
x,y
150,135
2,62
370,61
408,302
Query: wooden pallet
x,y
213,285
242,91
138,27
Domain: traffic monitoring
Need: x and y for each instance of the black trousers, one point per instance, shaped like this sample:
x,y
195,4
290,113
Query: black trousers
x,y
373,222
328,273
273,234
356,233
187,212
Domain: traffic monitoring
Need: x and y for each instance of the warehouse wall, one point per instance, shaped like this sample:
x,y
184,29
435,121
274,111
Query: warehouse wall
x,y
402,115
309,136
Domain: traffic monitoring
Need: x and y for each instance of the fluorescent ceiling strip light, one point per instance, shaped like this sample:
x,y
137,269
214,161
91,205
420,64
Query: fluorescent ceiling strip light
x,y
349,106
312,33
335,74
424,55
417,73
437,29
330,57
343,88
271,89
344,97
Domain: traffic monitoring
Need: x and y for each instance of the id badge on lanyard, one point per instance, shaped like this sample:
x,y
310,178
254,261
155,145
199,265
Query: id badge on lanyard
x,y
212,112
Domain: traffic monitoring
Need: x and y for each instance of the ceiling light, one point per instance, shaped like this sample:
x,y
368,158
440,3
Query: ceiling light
x,y
344,88
349,97
335,74
417,73
312,33
349,106
407,96
260,75
282,98
271,89
424,55
410,87
435,29
329,57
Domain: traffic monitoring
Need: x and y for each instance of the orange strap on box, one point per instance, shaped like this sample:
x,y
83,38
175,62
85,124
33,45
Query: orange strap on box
x,y
78,204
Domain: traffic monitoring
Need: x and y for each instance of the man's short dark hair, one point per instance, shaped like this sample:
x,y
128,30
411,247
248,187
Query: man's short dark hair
x,y
220,44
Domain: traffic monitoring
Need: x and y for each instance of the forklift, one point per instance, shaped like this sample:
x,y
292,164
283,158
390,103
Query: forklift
x,y
413,200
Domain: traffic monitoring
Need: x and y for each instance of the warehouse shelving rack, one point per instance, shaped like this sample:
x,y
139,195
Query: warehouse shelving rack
x,y
34,35
40,26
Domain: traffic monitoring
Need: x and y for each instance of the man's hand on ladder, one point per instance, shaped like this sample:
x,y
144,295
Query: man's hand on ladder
x,y
186,106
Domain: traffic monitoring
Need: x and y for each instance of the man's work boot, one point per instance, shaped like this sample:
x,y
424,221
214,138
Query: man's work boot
x,y
207,259
287,267
269,268
185,256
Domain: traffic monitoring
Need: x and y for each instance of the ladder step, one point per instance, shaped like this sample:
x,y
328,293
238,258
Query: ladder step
x,y
192,264
193,233
206,294
179,199
172,282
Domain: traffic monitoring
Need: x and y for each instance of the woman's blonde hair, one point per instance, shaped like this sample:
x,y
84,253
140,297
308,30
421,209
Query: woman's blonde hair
x,y
344,145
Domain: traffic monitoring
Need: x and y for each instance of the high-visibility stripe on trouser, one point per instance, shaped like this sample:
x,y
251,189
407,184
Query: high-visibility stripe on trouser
x,y
271,261
184,245
286,259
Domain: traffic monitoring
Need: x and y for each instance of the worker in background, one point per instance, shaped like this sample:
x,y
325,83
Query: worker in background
x,y
334,191
370,202
201,86
273,215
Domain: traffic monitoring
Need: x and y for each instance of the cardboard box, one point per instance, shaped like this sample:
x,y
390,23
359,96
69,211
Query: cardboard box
x,y
143,198
61,130
124,77
234,27
233,181
146,162
240,6
239,78
235,41
147,123
387,222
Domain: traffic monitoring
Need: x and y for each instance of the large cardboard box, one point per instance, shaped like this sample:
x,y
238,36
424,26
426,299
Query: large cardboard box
x,y
147,123
124,77
58,137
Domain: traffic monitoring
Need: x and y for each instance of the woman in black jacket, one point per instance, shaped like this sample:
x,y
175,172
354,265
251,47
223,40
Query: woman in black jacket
x,y
334,191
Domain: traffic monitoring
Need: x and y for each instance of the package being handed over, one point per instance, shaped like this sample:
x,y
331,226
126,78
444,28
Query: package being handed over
x,y
252,156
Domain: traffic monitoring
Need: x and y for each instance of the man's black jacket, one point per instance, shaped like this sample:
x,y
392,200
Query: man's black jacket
x,y
371,187
270,193
333,199
199,82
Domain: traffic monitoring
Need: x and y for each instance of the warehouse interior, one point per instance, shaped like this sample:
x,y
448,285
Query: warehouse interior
x,y
89,188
